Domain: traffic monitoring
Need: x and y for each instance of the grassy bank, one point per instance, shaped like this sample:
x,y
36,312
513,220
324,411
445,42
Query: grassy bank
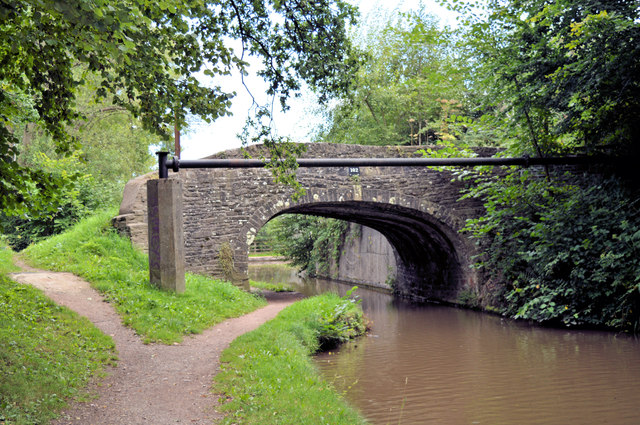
x,y
47,352
268,375
93,249
271,286
6,259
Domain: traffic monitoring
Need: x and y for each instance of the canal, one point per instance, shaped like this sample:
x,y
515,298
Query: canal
x,y
433,364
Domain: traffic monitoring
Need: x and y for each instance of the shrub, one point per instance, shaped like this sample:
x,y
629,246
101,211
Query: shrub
x,y
566,253
311,242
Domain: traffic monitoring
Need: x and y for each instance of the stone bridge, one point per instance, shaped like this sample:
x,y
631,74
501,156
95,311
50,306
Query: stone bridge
x,y
415,208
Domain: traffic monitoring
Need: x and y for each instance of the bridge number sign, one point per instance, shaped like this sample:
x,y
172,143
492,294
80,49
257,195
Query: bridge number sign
x,y
354,171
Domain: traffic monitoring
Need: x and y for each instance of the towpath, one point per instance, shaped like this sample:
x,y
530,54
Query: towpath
x,y
152,383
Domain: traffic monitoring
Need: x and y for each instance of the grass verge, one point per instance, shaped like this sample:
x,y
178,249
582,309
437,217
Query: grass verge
x,y
271,286
47,352
6,259
93,250
268,376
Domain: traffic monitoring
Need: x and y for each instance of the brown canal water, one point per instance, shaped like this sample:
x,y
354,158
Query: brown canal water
x,y
432,364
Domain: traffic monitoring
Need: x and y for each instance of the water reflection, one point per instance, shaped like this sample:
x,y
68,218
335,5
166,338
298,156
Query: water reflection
x,y
441,365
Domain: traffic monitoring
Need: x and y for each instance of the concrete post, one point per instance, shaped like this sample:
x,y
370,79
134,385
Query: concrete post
x,y
166,239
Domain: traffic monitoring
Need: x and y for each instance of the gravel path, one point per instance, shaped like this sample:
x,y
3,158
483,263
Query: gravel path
x,y
153,383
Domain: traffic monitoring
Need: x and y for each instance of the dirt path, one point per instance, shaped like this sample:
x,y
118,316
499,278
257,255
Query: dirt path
x,y
152,384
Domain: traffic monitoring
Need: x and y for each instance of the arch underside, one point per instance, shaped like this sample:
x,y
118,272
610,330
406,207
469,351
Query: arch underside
x,y
428,265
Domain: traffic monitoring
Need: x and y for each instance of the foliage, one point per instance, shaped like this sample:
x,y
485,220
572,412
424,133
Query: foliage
x,y
341,324
65,210
564,252
47,352
413,89
266,238
225,261
145,56
566,73
105,131
93,250
91,178
282,152
268,376
311,242
468,298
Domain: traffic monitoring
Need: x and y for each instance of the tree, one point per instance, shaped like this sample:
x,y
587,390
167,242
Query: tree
x,y
408,90
565,74
567,71
115,148
145,54
114,145
310,242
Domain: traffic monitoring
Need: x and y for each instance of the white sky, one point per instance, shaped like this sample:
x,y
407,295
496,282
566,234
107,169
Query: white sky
x,y
206,139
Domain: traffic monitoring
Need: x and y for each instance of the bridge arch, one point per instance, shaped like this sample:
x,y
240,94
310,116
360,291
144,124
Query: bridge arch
x,y
431,255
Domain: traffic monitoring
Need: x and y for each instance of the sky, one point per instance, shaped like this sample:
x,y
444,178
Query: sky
x,y
204,139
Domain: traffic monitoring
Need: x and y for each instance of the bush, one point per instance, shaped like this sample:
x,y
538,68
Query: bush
x,y
80,195
311,242
565,253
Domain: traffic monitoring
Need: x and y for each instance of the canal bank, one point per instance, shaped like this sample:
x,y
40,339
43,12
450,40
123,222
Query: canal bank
x,y
437,364
267,376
